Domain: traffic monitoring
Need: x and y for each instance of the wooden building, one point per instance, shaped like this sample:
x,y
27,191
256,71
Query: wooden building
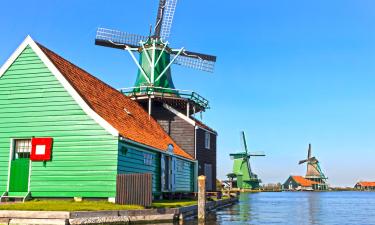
x,y
94,133
299,183
365,186
196,138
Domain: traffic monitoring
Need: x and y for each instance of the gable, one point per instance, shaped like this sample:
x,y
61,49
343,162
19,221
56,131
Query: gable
x,y
29,43
33,102
107,106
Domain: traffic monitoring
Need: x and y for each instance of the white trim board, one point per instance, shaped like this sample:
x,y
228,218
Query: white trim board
x,y
179,114
184,117
64,82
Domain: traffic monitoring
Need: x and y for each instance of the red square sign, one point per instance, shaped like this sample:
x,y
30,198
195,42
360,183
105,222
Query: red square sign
x,y
41,149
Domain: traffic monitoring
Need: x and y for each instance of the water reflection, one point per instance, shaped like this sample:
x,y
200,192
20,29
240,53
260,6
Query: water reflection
x,y
298,208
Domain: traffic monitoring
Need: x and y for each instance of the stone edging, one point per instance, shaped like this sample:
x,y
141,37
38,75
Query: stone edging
x,y
106,217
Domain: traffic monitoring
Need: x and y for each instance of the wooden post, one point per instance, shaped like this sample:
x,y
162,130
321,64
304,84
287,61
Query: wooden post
x,y
201,198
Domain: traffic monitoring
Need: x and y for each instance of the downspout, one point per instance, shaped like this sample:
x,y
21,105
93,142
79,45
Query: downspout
x,y
196,161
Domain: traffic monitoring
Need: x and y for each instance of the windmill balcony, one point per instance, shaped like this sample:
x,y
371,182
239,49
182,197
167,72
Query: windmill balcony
x,y
172,96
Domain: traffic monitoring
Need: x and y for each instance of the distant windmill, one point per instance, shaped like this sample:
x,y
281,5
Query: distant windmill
x,y
246,179
154,80
314,171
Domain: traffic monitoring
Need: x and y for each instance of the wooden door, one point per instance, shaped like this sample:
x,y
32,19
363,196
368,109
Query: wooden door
x,y
20,166
208,174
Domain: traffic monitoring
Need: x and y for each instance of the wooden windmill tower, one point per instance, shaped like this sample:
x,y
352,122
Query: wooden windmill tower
x,y
154,85
246,179
314,171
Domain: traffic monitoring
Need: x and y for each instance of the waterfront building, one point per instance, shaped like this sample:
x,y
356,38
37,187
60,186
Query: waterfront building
x,y
365,186
65,133
314,172
299,183
176,110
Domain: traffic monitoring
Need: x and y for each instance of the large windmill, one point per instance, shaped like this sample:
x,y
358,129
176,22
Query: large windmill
x,y
246,179
314,172
154,80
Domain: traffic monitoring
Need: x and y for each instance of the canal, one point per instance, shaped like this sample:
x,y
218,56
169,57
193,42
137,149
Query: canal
x,y
299,208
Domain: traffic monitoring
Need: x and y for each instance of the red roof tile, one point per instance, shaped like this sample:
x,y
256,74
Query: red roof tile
x,y
366,184
303,181
112,105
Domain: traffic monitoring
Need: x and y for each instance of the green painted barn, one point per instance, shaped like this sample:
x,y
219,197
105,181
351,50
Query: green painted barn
x,y
96,131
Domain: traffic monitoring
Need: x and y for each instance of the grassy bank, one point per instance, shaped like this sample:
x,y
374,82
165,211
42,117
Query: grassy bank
x,y
173,203
67,205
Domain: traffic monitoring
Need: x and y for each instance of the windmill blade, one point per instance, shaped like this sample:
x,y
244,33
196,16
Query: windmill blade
x,y
260,153
195,60
302,161
164,18
244,141
117,39
309,152
159,17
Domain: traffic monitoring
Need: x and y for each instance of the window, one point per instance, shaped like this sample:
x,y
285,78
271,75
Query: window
x,y
22,148
207,141
180,166
147,159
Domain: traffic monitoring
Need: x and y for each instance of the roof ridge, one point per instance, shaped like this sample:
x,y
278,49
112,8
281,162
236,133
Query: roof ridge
x,y
109,103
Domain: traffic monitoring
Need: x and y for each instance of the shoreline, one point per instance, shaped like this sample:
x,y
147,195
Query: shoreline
x,y
108,216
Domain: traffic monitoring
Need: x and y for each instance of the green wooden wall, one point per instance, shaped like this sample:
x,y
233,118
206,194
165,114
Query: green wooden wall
x,y
131,160
184,176
33,103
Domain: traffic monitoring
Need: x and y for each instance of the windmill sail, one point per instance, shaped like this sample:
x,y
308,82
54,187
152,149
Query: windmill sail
x,y
118,39
195,60
246,179
168,14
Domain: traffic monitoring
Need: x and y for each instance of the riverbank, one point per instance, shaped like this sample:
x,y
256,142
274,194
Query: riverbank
x,y
108,216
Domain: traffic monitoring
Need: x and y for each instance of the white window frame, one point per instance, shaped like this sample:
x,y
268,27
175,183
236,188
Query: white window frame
x,y
148,159
207,140
14,156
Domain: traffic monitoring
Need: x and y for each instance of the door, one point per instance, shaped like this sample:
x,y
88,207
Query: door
x,y
20,165
165,173
208,174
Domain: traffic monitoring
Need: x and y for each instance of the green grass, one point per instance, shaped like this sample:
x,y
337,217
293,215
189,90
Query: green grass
x,y
172,203
70,205
66,205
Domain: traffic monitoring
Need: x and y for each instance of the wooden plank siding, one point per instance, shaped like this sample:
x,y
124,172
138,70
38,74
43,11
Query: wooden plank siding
x,y
134,189
181,132
84,155
206,155
184,176
131,160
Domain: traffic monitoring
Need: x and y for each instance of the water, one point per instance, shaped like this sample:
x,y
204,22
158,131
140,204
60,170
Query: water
x,y
298,208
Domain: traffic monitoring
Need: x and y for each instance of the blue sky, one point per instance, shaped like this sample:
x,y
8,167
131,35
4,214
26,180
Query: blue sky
x,y
288,72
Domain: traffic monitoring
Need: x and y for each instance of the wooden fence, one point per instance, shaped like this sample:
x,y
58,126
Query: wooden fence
x,y
134,189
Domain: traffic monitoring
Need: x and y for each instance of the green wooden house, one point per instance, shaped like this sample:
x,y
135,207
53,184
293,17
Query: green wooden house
x,y
97,133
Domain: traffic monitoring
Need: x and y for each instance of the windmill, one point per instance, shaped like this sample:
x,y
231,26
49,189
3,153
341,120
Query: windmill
x,y
154,80
314,172
246,179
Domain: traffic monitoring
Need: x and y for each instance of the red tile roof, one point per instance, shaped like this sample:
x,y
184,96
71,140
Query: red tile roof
x,y
303,181
366,184
112,105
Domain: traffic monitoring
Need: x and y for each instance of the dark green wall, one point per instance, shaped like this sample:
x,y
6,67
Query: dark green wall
x,y
131,160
